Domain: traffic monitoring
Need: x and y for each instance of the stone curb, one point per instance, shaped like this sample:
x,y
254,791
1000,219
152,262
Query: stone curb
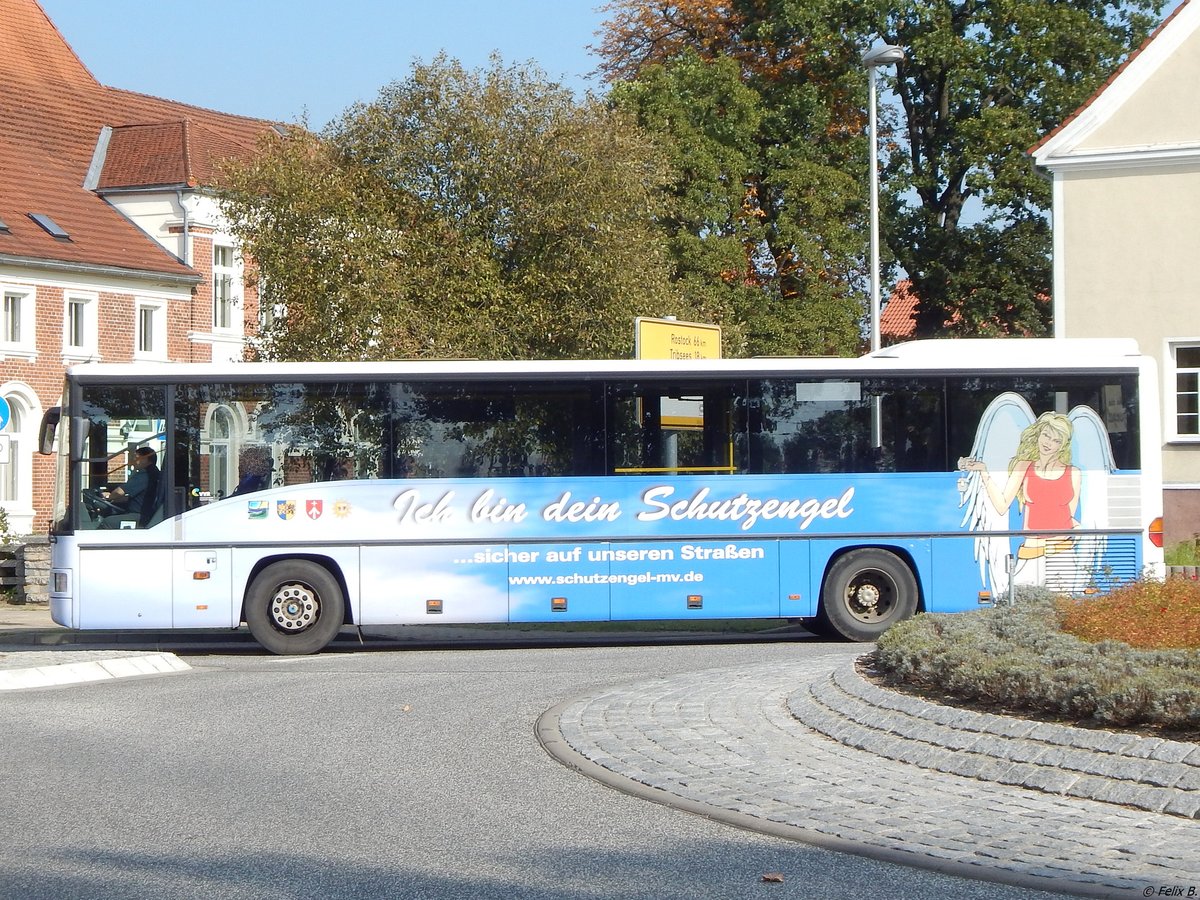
x,y
98,670
1148,773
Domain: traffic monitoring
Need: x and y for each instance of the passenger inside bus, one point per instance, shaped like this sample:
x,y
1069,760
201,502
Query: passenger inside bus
x,y
256,471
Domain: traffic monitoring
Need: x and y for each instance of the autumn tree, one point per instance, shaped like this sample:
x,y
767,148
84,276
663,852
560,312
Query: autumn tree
x,y
463,213
965,214
764,126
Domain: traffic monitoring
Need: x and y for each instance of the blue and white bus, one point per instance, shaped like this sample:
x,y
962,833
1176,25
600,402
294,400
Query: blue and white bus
x,y
299,498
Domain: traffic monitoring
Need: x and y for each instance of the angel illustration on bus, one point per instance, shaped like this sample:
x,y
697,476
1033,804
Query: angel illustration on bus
x,y
1055,468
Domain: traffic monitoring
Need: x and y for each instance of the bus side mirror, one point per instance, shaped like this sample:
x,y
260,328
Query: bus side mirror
x,y
47,430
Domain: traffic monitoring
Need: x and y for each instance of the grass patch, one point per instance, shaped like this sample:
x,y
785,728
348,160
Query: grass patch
x,y
1184,554
1065,660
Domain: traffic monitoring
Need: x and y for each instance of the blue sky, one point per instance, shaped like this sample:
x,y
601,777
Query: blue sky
x,y
281,59
277,59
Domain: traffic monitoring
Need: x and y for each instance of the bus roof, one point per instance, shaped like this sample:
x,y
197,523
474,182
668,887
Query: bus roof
x,y
970,352
927,356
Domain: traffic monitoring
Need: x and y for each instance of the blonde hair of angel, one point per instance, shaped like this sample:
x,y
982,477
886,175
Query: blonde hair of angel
x,y
1027,446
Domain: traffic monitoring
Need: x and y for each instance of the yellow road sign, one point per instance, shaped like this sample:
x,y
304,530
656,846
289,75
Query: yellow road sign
x,y
671,339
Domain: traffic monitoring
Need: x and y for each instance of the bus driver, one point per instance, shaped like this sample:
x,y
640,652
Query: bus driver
x,y
137,494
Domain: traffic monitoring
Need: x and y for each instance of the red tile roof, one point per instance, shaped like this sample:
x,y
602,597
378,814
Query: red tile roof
x,y
52,112
898,320
170,153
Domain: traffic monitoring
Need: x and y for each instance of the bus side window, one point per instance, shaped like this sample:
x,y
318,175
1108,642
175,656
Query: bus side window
x,y
485,430
674,428
255,469
914,431
818,426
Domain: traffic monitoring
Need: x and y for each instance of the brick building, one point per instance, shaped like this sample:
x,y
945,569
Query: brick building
x,y
111,246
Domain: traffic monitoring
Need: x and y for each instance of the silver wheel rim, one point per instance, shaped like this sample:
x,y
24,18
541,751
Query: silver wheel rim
x,y
870,596
295,607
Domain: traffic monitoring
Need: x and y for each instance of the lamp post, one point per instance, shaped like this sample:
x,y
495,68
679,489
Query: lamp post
x,y
881,55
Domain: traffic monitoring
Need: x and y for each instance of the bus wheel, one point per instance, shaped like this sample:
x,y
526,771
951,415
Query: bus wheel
x,y
866,592
294,607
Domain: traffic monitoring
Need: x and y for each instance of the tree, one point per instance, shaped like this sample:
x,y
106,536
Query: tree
x,y
982,82
767,219
707,118
481,214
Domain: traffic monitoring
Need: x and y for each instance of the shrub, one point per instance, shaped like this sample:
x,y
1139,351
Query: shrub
x,y
1148,614
1018,659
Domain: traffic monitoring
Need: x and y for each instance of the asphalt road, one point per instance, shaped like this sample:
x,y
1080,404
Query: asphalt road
x,y
397,773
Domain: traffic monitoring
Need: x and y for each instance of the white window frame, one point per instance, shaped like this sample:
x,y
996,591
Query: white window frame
x,y
25,297
14,464
157,310
230,304
1171,371
222,447
89,347
27,411
239,429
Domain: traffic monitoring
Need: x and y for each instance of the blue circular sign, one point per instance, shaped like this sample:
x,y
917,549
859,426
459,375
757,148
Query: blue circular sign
x,y
5,413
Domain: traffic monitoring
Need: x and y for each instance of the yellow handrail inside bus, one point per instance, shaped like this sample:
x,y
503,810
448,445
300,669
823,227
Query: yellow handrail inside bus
x,y
648,469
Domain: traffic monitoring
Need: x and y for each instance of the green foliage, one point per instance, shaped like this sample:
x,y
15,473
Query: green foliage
x,y
7,538
705,120
1183,554
491,214
1016,658
766,230
982,83
461,214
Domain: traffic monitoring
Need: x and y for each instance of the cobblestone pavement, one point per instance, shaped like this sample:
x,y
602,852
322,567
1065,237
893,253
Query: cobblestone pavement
x,y
731,744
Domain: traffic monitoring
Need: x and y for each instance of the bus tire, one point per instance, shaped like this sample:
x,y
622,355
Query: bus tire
x,y
294,607
866,592
818,626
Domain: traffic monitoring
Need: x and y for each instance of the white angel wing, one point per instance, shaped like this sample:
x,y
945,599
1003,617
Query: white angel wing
x,y
996,440
1091,453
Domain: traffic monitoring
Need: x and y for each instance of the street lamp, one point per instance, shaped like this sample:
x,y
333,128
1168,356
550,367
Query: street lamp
x,y
881,55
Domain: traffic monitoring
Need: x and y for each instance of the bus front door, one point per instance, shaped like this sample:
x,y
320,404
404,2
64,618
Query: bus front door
x,y
203,588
